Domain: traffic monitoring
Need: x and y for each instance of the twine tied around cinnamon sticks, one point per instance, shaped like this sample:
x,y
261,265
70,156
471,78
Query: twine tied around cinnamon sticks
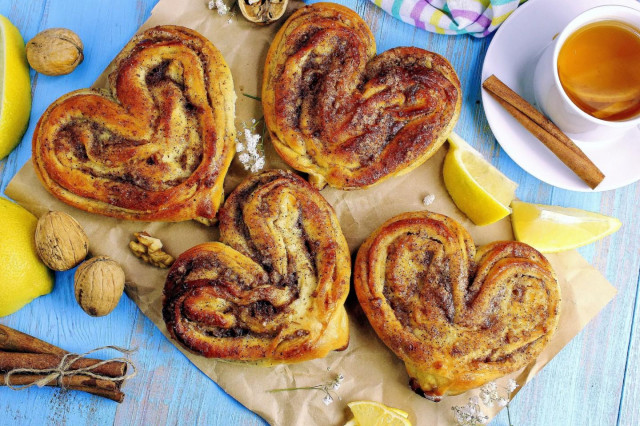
x,y
64,369
26,361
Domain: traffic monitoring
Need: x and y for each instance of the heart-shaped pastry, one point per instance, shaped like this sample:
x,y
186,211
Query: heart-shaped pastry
x,y
273,289
456,317
345,116
156,145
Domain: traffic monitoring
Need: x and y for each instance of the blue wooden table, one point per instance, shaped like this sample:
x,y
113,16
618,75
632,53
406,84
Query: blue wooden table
x,y
594,380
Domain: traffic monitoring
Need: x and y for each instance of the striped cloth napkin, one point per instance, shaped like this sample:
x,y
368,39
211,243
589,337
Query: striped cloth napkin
x,y
475,17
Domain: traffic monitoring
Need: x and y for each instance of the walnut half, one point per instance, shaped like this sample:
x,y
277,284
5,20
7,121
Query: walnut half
x,y
149,249
263,11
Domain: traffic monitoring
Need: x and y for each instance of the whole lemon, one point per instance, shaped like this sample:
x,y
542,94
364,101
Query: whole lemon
x,y
15,87
23,277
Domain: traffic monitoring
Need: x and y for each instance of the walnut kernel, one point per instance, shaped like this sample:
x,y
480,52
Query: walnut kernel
x,y
149,249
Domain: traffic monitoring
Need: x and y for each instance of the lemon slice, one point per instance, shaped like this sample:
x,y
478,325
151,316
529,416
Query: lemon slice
x,y
371,413
15,87
477,188
550,228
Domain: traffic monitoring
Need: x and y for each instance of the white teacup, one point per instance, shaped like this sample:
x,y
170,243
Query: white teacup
x,y
555,102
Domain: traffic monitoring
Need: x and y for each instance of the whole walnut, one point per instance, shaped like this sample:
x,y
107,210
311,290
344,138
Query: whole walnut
x,y
60,241
99,283
55,51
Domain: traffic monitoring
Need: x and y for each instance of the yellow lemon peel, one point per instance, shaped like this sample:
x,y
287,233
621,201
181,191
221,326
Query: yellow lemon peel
x,y
23,277
551,229
15,89
479,190
371,413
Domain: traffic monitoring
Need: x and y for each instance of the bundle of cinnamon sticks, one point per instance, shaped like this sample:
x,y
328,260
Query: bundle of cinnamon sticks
x,y
24,352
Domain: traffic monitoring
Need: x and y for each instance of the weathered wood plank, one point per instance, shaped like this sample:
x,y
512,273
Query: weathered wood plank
x,y
56,317
629,411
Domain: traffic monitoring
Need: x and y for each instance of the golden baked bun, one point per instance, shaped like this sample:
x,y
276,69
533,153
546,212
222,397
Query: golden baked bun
x,y
345,116
456,317
156,144
273,289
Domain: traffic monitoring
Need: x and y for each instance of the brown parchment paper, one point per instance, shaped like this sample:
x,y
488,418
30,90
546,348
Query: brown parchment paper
x,y
371,371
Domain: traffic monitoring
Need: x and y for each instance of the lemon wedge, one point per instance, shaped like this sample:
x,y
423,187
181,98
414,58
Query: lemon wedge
x,y
480,190
15,87
23,277
371,413
551,229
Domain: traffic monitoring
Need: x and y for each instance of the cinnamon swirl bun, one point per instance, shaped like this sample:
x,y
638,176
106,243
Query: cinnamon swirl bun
x,y
156,145
273,289
457,318
345,116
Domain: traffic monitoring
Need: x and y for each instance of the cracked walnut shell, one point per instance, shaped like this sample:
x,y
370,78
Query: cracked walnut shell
x,y
263,12
99,283
60,241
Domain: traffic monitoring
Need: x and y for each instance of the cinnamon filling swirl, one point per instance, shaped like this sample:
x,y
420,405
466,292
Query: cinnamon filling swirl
x,y
156,144
457,317
273,289
346,116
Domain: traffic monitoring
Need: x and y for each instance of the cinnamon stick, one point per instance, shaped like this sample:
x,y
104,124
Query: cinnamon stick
x,y
103,388
13,340
13,360
547,132
20,350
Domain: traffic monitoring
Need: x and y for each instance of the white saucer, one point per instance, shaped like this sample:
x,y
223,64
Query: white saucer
x,y
512,57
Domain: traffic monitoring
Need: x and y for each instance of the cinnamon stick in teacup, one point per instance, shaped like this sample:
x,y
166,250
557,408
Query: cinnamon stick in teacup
x,y
547,132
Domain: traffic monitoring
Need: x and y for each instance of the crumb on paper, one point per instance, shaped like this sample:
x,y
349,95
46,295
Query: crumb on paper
x,y
249,147
428,199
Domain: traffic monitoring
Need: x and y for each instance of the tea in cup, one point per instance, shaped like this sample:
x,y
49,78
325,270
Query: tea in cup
x,y
588,80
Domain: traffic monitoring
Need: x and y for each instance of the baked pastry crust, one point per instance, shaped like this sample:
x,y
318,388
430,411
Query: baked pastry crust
x,y
457,318
156,145
345,116
273,289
